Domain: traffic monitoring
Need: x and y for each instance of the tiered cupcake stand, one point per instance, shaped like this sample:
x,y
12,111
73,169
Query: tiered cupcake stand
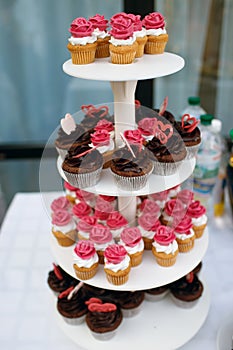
x,y
161,324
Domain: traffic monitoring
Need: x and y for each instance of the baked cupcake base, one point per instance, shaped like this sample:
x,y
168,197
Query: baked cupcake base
x,y
84,273
123,54
164,259
156,44
141,41
199,230
117,278
185,245
82,54
65,240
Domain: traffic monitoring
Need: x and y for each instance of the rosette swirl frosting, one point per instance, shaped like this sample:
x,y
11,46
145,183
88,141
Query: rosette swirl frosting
x,y
121,26
85,249
185,196
149,206
100,234
103,209
115,253
80,27
174,207
131,236
147,126
60,203
116,220
81,209
86,223
183,226
137,23
99,21
87,161
61,218
196,210
154,20
104,124
100,138
134,137
148,222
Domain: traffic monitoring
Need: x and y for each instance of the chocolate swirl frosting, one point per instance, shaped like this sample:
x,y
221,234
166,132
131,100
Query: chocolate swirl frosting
x,y
127,300
59,285
65,140
89,161
123,160
187,136
101,322
186,290
74,307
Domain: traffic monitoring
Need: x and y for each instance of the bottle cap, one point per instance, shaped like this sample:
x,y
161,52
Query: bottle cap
x,y
194,100
206,119
231,134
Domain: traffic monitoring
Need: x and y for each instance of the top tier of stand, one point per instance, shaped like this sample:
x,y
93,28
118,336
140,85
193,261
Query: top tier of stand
x,y
146,67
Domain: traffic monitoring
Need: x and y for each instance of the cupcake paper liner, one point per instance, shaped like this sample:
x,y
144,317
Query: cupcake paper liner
x,y
141,45
74,321
131,312
156,44
102,49
165,169
65,240
104,336
136,259
163,259
147,243
123,54
186,245
82,54
133,183
117,278
199,230
83,180
84,273
192,151
182,303
157,297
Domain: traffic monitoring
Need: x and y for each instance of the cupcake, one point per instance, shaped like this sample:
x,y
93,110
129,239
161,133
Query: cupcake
x,y
157,293
148,224
149,206
167,150
83,42
131,239
116,223
68,134
159,198
84,226
100,25
80,210
93,115
140,33
103,318
190,134
186,291
116,264
197,213
64,228
130,302
106,125
173,209
103,209
86,260
71,305
82,166
101,236
165,247
58,280
157,36
101,140
70,192
131,165
60,203
123,45
185,235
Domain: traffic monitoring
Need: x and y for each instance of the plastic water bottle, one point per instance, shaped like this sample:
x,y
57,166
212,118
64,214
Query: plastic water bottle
x,y
194,108
208,158
229,174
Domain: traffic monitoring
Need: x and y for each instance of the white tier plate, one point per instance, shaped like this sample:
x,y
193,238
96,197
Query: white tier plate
x,y
159,325
147,275
155,183
146,67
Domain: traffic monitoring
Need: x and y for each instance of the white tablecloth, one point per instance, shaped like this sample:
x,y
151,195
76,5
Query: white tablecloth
x,y
27,320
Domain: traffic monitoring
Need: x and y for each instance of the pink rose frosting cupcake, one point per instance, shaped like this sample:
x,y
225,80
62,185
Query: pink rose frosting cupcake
x,y
100,25
85,225
86,260
131,239
101,236
148,225
157,36
81,209
173,208
104,143
123,45
185,235
60,203
116,264
83,42
149,206
64,228
102,209
116,223
140,33
197,213
165,247
160,198
106,125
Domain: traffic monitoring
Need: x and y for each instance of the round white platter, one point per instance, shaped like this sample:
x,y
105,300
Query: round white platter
x,y
155,183
159,325
144,276
225,334
146,67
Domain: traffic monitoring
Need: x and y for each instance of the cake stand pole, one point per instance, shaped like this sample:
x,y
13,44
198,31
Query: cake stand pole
x,y
124,118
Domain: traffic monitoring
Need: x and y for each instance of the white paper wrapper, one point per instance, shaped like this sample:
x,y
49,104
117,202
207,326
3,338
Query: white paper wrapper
x,y
74,321
156,297
133,183
103,336
83,180
165,169
192,151
131,312
184,304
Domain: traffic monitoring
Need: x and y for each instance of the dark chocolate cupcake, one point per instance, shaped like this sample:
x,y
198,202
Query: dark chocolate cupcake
x,y
94,114
58,280
64,141
130,302
82,166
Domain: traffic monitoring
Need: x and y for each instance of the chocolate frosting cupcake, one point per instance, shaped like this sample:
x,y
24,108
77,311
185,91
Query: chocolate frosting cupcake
x,y
65,141
74,307
190,138
167,115
128,300
58,280
186,288
94,115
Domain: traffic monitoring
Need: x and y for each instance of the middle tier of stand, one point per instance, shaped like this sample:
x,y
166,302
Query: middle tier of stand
x,y
144,276
155,183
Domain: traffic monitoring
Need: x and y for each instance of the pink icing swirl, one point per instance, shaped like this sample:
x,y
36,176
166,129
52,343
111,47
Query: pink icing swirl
x,y
174,207
86,223
115,253
85,249
116,220
147,126
154,20
137,23
184,225
134,136
149,206
149,222
100,138
99,21
164,235
185,196
103,209
100,234
81,209
104,124
159,196
69,186
122,26
131,236
196,210
81,28
60,203
61,218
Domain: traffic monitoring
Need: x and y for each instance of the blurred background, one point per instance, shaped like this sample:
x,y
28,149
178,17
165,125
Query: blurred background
x,y
35,93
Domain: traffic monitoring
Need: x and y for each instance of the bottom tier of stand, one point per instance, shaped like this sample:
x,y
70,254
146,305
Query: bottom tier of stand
x,y
160,324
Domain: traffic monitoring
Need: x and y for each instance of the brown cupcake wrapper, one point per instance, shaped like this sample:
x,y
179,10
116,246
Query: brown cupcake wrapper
x,y
117,278
156,45
82,54
136,259
123,54
83,180
85,273
199,230
186,245
163,259
65,240
102,49
141,45
147,243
